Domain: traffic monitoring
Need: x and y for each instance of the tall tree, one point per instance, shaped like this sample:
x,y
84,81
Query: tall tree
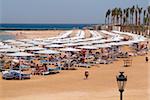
x,y
139,11
107,16
112,16
148,14
136,15
127,15
116,12
120,15
132,14
124,16
144,17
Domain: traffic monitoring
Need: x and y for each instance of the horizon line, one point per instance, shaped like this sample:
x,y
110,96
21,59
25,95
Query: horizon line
x,y
51,23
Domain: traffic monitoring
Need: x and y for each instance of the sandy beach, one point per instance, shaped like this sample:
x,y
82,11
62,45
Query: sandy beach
x,y
70,84
36,34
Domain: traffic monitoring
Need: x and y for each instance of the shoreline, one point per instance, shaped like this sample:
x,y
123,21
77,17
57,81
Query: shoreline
x,y
31,34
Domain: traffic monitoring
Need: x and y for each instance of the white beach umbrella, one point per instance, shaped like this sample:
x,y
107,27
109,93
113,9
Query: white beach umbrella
x,y
92,39
120,43
11,50
24,40
16,42
47,52
25,45
57,42
84,43
88,47
71,44
95,42
33,42
70,49
41,43
9,41
5,46
39,39
54,46
47,41
34,48
20,54
102,45
1,43
65,34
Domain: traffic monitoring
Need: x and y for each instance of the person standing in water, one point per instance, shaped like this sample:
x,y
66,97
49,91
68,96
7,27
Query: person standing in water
x,y
86,73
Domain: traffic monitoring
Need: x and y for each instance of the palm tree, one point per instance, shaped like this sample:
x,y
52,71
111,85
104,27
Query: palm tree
x,y
127,15
107,16
112,16
136,15
148,14
117,15
120,15
144,17
124,17
139,11
148,9
132,14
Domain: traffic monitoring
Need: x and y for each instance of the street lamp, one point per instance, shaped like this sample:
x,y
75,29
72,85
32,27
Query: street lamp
x,y
121,81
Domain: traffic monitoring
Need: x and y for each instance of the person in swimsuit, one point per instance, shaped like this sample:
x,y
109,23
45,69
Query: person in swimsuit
x,y
86,74
146,59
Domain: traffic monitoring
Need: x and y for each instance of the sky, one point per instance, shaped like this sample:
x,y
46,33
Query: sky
x,y
61,11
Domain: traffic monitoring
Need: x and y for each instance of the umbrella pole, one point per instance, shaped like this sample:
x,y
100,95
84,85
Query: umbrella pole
x,y
19,69
69,65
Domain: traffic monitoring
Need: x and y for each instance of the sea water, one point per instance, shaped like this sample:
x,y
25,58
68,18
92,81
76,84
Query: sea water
x,y
4,36
44,26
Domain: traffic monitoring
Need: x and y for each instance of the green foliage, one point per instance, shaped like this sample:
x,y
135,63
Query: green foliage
x,y
129,16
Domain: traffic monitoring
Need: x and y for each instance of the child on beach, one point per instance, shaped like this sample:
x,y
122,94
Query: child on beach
x,y
86,73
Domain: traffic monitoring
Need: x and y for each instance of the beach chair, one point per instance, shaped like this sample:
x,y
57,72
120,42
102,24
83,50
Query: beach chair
x,y
54,70
85,65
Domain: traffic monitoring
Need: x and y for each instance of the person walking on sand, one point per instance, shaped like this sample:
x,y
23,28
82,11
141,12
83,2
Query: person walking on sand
x,y
86,73
146,59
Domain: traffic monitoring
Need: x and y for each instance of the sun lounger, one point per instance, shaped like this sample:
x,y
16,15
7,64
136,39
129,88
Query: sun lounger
x,y
84,65
54,70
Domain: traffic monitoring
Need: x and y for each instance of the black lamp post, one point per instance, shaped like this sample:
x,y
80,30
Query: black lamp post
x,y
121,81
